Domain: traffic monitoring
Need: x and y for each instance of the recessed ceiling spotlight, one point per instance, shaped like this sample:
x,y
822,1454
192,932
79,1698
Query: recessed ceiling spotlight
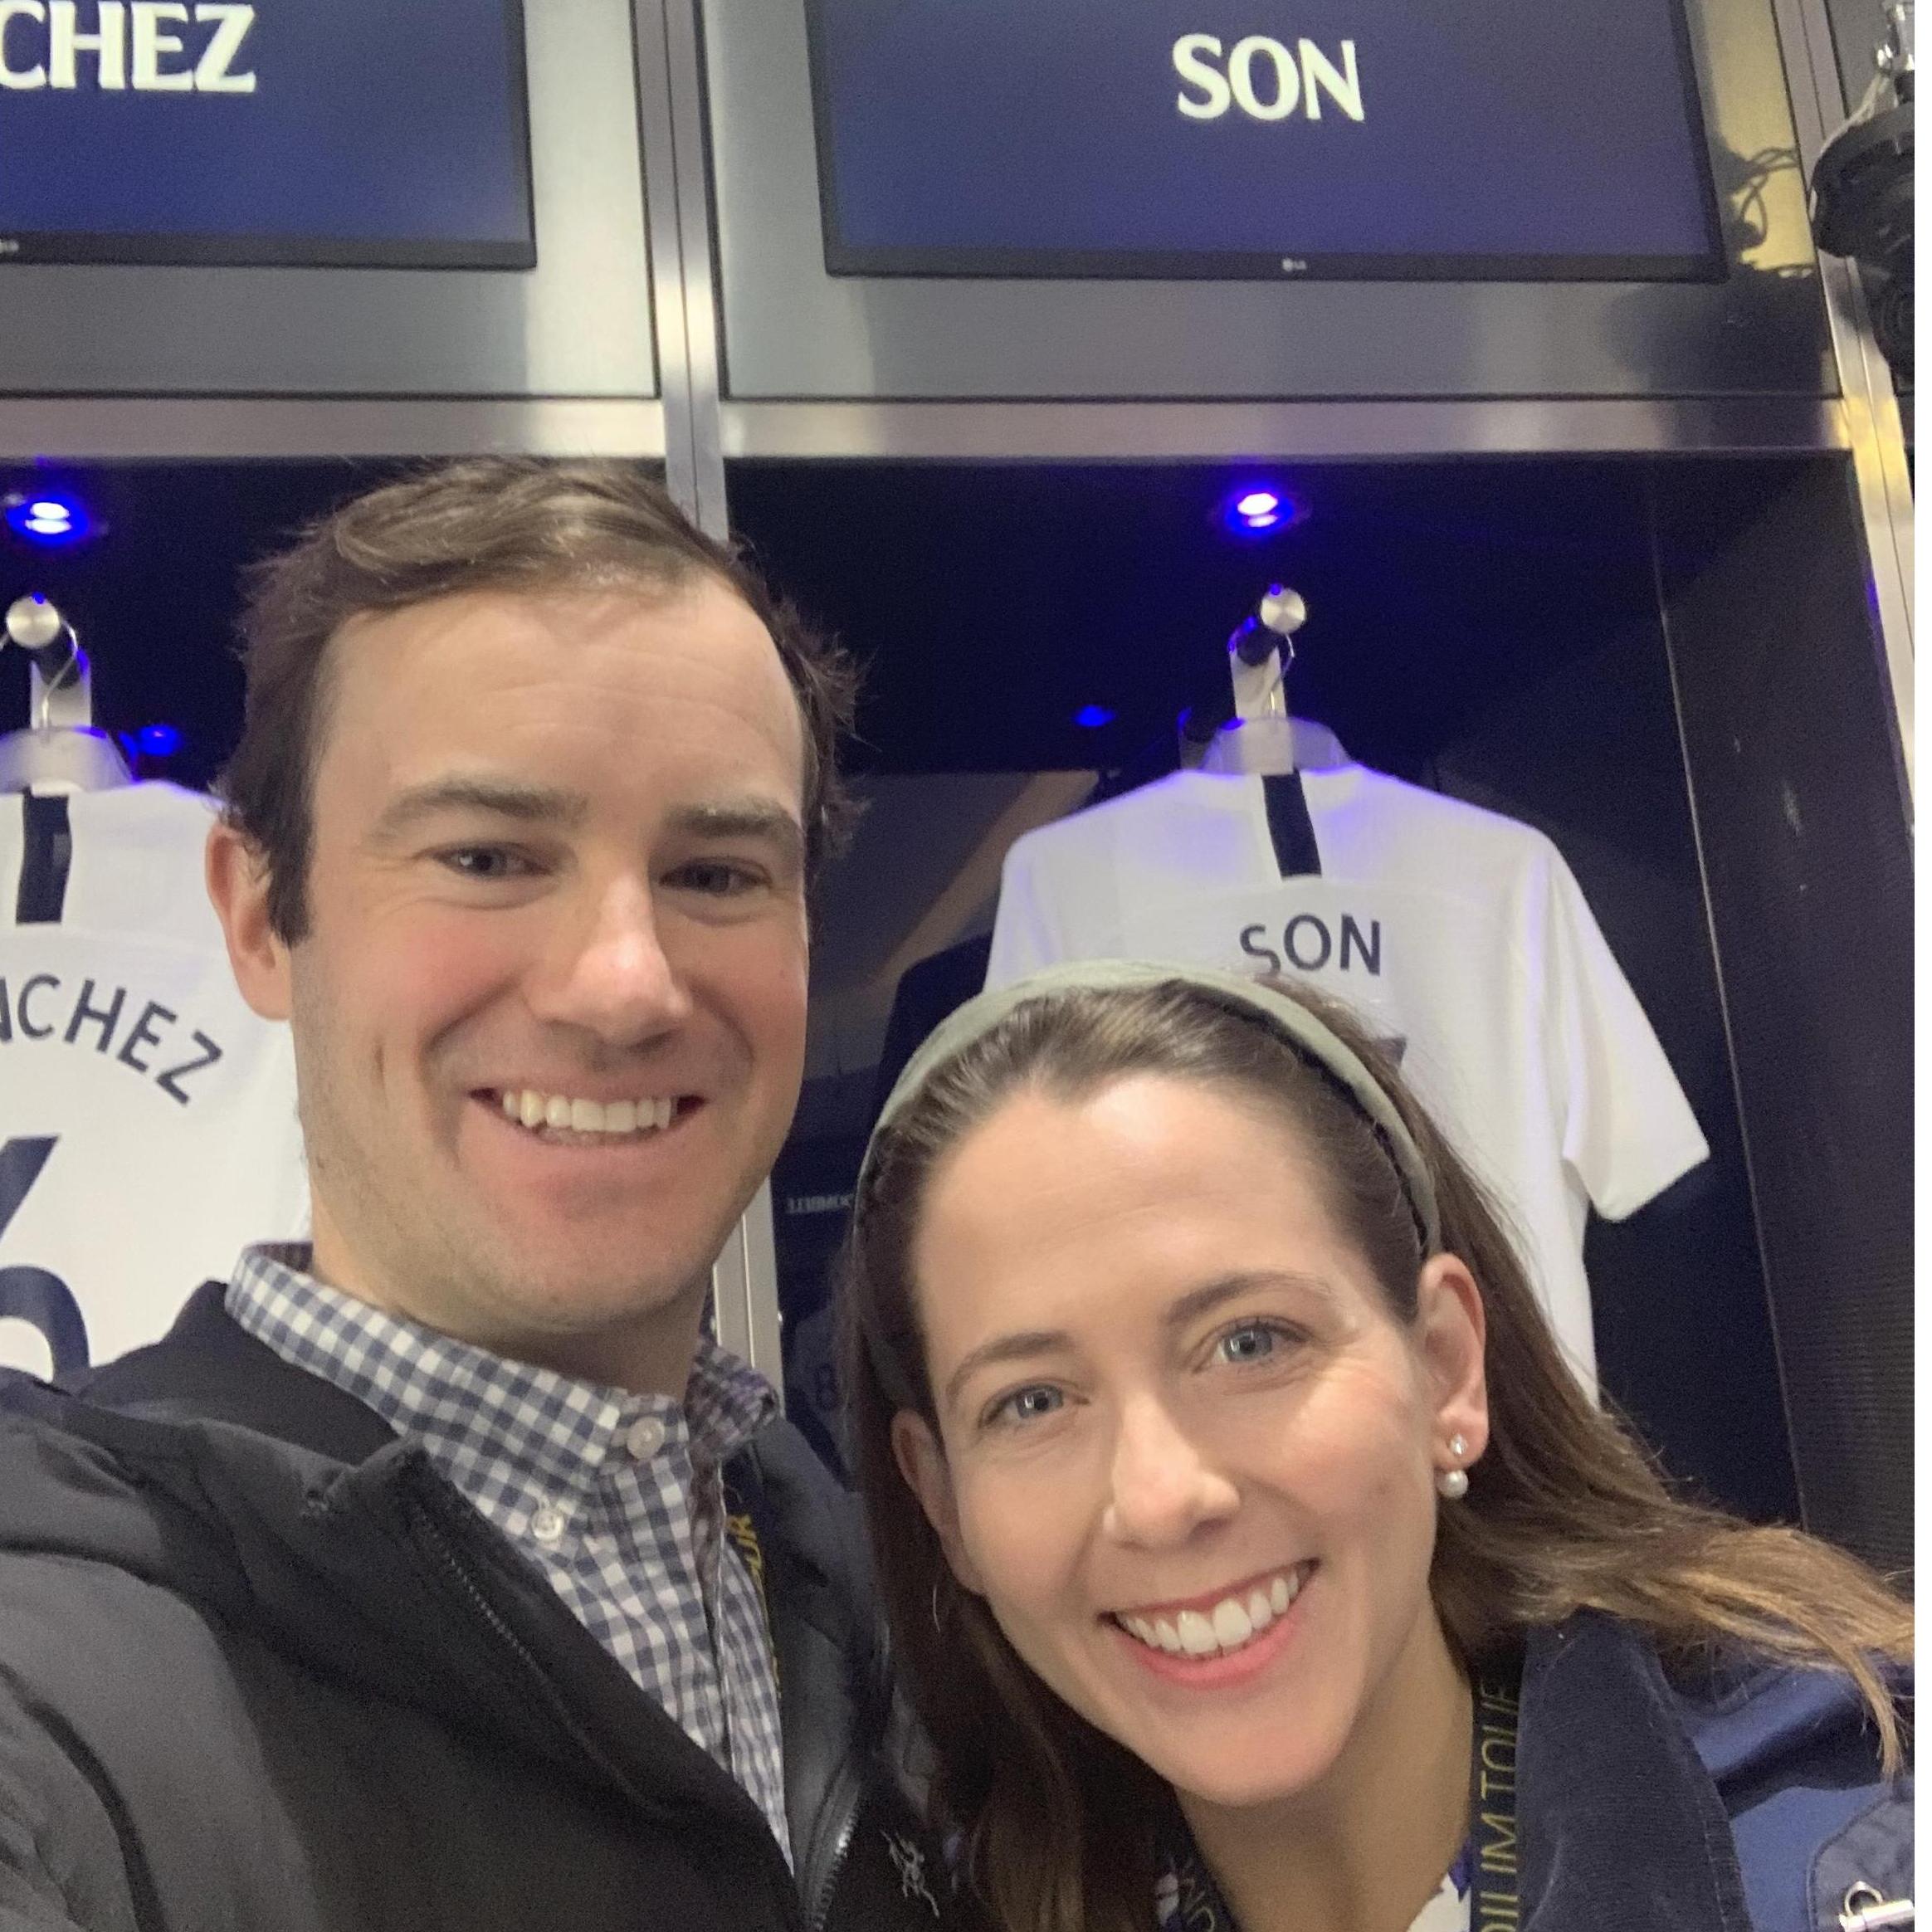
x,y
1257,508
50,518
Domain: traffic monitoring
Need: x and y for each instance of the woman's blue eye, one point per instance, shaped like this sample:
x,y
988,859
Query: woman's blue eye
x,y
1255,1342
1026,1405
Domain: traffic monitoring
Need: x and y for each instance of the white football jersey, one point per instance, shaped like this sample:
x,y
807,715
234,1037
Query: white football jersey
x,y
148,1125
1459,935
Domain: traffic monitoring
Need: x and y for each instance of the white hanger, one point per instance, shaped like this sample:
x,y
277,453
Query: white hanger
x,y
59,750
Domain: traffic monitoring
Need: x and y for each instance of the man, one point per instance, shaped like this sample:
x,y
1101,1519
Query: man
x,y
444,1573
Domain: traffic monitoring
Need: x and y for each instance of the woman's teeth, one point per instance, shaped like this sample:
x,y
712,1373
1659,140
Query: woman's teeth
x,y
540,1112
1234,1621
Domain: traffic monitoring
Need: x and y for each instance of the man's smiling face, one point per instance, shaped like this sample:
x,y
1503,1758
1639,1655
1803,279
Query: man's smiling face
x,y
555,895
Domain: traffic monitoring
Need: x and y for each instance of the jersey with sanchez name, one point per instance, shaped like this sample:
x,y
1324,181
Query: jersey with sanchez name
x,y
1459,935
148,1127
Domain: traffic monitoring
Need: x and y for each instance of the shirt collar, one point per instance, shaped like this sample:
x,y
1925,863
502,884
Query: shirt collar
x,y
462,1400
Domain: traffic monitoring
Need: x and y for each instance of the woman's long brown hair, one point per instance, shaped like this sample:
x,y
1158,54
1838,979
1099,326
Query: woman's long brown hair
x,y
1564,1511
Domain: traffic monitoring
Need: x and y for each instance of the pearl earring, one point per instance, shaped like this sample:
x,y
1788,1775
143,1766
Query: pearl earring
x,y
1452,1485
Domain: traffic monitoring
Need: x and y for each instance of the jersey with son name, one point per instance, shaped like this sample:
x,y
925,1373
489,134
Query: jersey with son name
x,y
148,1128
1458,935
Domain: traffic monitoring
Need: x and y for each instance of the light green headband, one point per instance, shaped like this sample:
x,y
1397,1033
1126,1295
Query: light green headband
x,y
1286,1017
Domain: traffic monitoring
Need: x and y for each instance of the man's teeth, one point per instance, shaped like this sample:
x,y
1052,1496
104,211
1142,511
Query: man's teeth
x,y
1234,1621
530,1109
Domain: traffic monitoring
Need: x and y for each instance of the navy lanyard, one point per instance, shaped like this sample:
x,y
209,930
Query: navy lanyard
x,y
1495,1853
1495,1880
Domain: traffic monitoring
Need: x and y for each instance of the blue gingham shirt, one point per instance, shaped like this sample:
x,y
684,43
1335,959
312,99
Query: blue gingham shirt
x,y
615,1498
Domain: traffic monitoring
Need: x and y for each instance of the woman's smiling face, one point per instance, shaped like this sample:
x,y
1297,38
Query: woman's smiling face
x,y
1186,1451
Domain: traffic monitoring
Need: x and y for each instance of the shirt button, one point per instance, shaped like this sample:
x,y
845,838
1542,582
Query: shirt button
x,y
547,1523
645,1437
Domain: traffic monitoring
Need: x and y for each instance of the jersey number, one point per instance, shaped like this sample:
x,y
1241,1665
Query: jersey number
x,y
33,1294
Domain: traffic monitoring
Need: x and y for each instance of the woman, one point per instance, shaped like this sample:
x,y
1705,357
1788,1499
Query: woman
x,y
1253,1560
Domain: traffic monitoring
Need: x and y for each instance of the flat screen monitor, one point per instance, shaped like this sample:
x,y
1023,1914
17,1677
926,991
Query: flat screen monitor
x,y
1428,140
330,133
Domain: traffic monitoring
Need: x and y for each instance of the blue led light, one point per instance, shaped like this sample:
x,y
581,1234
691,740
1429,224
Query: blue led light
x,y
1092,717
160,740
1255,508
48,518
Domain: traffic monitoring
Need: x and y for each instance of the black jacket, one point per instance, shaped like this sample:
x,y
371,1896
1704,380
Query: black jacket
x,y
261,1667
1741,1798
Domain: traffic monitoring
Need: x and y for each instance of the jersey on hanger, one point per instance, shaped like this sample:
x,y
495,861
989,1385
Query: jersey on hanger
x,y
148,1127
1458,935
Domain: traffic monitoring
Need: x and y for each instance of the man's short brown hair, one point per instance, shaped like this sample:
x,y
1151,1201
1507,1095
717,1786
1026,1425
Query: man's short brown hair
x,y
483,523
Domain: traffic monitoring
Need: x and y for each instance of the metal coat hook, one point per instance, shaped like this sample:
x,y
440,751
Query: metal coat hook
x,y
1260,651
59,750
62,679
1280,614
